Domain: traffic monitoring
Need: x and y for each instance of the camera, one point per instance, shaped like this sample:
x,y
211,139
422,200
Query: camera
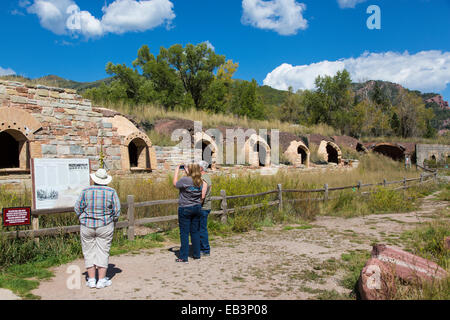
x,y
182,167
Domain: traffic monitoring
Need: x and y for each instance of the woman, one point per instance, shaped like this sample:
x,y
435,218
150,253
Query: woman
x,y
192,192
97,208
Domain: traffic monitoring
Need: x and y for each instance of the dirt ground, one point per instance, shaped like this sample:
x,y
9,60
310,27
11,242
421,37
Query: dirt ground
x,y
275,263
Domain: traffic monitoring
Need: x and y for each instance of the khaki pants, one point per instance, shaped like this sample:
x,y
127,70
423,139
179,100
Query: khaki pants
x,y
96,244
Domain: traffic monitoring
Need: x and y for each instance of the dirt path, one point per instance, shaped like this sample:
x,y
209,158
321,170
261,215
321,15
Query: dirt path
x,y
276,263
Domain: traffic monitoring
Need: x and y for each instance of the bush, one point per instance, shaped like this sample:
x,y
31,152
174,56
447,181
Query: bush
x,y
385,200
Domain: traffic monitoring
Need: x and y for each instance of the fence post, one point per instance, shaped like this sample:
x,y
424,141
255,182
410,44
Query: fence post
x,y
384,183
130,231
421,177
35,226
223,205
359,186
280,197
404,183
435,177
325,197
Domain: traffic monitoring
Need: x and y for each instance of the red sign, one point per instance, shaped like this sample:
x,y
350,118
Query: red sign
x,y
16,217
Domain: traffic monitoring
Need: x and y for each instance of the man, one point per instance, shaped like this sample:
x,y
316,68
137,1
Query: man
x,y
97,208
206,209
407,162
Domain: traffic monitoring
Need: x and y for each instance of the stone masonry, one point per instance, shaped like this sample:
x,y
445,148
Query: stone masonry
x,y
58,123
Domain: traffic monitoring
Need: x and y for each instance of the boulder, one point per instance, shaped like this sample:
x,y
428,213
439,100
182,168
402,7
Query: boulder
x,y
407,266
377,281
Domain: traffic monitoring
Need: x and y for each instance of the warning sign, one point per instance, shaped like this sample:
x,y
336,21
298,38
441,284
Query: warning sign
x,y
16,217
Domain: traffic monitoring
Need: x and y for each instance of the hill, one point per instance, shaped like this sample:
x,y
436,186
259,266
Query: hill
x,y
391,91
56,81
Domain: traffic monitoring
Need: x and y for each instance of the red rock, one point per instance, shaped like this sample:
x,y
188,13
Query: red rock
x,y
407,266
377,281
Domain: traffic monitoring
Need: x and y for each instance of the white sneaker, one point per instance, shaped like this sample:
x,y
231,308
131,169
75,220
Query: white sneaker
x,y
91,283
102,283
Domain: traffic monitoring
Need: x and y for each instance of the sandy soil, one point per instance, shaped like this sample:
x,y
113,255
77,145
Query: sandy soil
x,y
274,263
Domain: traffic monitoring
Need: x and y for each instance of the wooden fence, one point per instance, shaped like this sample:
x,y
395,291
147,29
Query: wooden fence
x,y
130,205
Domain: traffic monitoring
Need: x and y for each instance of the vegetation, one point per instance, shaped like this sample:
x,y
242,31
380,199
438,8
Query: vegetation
x,y
23,263
195,77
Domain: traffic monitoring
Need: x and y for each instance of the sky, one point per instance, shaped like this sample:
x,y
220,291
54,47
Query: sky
x,y
279,43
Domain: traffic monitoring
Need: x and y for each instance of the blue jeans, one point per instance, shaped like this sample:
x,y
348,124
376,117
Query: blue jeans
x,y
189,222
204,241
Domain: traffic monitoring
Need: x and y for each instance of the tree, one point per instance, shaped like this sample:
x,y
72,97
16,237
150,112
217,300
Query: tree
x,y
415,119
195,66
245,101
292,108
128,77
227,70
336,96
165,82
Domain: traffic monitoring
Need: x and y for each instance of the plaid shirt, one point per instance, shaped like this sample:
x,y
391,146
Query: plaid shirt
x,y
97,206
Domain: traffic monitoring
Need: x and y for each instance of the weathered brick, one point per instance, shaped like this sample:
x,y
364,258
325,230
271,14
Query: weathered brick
x,y
18,99
76,150
48,149
63,150
91,151
42,92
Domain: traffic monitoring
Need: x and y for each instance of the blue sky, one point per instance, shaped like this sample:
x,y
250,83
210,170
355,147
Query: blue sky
x,y
280,42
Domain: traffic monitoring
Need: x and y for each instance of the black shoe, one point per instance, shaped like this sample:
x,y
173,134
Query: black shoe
x,y
204,254
196,258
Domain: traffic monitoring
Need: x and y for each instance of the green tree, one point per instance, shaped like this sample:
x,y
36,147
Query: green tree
x,y
415,119
195,66
337,98
292,108
165,84
129,78
245,101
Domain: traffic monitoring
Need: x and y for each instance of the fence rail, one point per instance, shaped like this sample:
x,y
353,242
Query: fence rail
x,y
130,205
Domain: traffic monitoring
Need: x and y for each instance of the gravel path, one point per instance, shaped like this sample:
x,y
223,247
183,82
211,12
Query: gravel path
x,y
275,263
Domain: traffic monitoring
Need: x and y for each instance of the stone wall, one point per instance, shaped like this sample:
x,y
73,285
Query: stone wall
x,y
427,151
58,123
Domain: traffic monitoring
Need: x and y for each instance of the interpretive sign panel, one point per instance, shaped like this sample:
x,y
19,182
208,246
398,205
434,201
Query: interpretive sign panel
x,y
58,182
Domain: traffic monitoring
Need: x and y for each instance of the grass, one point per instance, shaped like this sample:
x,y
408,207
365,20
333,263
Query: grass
x,y
23,263
353,262
427,241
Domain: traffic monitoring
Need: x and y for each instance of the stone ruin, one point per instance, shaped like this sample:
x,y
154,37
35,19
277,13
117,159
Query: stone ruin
x,y
436,153
44,122
329,152
294,149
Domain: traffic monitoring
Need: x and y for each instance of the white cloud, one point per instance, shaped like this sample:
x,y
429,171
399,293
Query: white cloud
x,y
6,72
52,14
127,15
425,70
349,3
282,16
64,17
209,45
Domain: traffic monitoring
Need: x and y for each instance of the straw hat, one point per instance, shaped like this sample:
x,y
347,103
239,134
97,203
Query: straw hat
x,y
101,177
204,165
